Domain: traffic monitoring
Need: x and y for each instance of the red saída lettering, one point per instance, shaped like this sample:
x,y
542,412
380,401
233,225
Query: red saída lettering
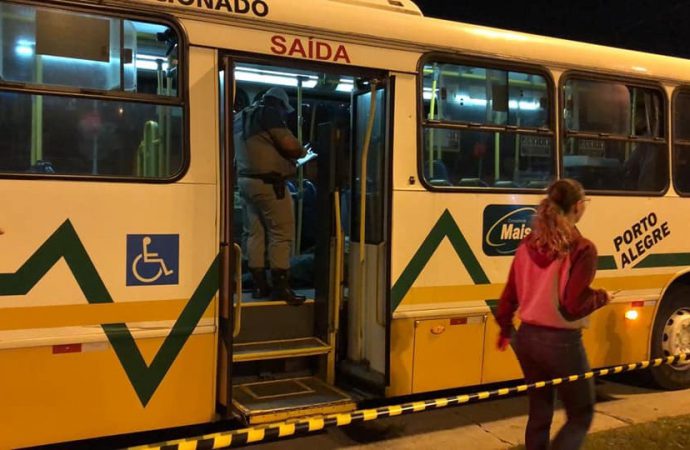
x,y
309,49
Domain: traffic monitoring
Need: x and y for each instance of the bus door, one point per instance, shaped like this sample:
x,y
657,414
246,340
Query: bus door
x,y
230,285
367,250
283,358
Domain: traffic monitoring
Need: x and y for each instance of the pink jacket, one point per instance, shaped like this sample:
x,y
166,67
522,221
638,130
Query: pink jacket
x,y
550,292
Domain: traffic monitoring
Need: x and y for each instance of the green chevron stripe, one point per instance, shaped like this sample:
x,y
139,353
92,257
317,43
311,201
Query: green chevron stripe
x,y
606,263
446,227
664,260
65,243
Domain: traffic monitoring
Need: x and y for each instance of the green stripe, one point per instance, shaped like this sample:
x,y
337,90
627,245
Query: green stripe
x,y
606,263
665,260
65,243
445,227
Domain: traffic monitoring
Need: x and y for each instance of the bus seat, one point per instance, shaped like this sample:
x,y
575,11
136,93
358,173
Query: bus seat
x,y
291,187
505,184
472,182
440,171
440,182
537,184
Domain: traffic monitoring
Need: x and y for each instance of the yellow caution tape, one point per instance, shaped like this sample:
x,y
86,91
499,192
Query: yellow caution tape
x,y
275,431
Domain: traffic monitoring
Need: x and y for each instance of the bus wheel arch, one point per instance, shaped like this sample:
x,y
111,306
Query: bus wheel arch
x,y
671,334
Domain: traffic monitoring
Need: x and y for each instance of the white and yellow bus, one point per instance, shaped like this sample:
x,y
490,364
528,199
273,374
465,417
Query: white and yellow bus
x,y
121,300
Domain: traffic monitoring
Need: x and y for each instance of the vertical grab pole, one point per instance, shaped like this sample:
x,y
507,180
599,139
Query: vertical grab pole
x,y
300,169
432,116
337,284
363,216
37,117
633,120
518,137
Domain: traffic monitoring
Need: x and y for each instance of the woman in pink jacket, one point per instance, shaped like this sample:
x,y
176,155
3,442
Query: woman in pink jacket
x,y
549,286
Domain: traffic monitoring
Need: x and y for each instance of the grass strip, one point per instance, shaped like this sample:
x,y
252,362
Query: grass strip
x,y
663,434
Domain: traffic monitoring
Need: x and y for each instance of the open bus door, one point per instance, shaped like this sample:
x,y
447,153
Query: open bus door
x,y
230,289
368,253
275,356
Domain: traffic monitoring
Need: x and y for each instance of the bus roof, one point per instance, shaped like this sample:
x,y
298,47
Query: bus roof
x,y
399,24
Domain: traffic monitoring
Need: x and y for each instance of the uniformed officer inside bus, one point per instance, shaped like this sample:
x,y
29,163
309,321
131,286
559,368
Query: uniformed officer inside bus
x,y
266,152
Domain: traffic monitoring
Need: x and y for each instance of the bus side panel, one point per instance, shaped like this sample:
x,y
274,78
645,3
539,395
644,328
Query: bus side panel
x,y
612,339
61,378
53,397
441,272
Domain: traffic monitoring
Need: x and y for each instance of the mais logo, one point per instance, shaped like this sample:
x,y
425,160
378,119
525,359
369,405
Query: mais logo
x,y
504,228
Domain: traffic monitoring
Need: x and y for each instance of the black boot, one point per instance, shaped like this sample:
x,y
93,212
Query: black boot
x,y
261,287
281,288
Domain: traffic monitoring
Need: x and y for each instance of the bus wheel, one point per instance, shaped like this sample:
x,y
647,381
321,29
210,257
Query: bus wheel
x,y
671,336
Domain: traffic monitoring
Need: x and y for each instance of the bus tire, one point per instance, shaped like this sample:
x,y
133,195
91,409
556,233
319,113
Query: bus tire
x,y
671,336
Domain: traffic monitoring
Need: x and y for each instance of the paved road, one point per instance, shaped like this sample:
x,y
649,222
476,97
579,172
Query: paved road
x,y
491,425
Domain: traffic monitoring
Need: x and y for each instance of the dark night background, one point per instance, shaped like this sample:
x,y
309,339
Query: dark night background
x,y
657,26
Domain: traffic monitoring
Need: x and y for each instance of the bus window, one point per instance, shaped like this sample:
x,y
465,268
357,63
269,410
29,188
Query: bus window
x,y
486,128
681,142
56,48
614,136
49,55
77,136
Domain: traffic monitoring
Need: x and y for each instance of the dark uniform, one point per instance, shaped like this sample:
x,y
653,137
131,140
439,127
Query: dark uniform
x,y
263,169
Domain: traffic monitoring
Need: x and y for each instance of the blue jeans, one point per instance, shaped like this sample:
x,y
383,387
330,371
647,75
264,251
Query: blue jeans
x,y
544,354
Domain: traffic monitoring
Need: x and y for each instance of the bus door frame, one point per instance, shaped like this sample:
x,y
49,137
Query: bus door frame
x,y
231,254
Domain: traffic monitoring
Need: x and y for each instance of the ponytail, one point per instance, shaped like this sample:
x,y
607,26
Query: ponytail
x,y
552,232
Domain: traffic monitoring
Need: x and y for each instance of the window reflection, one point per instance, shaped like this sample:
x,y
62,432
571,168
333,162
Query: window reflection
x,y
624,149
462,93
681,144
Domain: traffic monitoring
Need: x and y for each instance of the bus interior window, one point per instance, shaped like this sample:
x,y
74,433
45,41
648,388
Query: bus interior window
x,y
484,154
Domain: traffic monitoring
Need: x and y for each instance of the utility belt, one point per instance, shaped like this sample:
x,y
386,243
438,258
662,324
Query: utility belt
x,y
273,178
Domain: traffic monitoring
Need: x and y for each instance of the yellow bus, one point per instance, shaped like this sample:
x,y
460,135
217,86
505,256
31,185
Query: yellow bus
x,y
122,306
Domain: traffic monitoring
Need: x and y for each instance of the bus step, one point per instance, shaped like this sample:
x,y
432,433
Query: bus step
x,y
271,321
285,348
273,401
247,299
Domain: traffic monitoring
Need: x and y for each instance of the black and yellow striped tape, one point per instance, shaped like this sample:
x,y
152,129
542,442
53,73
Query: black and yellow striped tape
x,y
308,425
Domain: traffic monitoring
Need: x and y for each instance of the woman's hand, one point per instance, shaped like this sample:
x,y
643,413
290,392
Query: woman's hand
x,y
503,343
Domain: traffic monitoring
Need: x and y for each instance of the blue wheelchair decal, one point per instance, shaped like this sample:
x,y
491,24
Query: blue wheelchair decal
x,y
153,259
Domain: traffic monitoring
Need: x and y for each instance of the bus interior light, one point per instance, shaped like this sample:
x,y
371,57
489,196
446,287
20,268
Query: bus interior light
x,y
273,78
24,48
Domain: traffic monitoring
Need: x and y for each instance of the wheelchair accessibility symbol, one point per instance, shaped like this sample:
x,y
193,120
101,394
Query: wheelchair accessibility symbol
x,y
152,259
